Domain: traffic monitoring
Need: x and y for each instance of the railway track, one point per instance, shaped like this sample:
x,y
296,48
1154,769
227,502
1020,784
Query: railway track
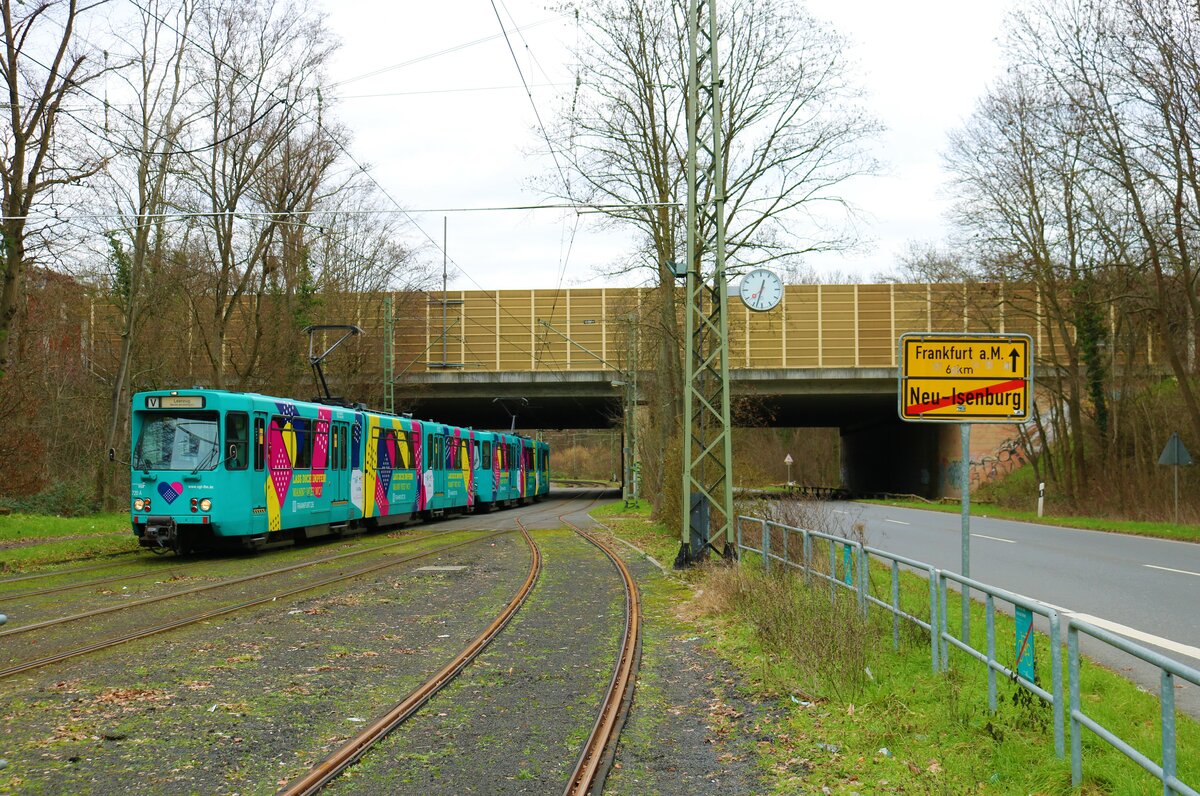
x,y
72,571
228,609
10,598
24,595
208,587
345,756
149,572
595,758
593,763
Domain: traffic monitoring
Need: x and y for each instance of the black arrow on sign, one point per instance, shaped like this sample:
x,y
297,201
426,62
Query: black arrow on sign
x,y
1015,355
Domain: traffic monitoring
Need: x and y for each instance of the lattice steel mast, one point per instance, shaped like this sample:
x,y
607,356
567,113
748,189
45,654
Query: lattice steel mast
x,y
707,449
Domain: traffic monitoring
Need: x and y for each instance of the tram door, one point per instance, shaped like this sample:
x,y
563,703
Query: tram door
x,y
338,475
261,475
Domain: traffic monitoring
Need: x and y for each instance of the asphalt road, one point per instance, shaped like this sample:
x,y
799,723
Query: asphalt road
x,y
1145,589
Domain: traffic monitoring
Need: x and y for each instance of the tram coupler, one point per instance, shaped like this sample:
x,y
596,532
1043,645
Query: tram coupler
x,y
161,532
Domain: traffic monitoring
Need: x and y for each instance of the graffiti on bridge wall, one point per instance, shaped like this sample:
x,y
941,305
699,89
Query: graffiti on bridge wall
x,y
1008,456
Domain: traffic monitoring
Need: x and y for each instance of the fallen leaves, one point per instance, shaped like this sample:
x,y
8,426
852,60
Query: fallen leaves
x,y
121,696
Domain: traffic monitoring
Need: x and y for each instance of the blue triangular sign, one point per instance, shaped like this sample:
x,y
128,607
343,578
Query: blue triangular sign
x,y
1175,452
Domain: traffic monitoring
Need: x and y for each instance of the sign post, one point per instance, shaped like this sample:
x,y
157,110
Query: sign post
x,y
1175,454
965,379
788,461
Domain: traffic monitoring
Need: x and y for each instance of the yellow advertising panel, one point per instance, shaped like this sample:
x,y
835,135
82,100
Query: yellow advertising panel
x,y
965,378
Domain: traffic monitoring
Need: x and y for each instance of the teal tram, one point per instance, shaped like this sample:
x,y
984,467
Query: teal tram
x,y
212,468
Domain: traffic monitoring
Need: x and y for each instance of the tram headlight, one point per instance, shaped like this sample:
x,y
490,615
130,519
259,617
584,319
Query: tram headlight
x,y
139,504
205,504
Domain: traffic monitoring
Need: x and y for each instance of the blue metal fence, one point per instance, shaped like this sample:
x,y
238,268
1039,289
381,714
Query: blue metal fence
x,y
1055,695
1168,671
855,576
894,606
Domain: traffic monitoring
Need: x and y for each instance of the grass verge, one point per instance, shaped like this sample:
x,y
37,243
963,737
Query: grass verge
x,y
29,541
1162,530
857,715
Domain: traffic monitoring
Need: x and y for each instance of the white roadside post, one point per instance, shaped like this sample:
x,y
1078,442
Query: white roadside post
x,y
788,461
1041,497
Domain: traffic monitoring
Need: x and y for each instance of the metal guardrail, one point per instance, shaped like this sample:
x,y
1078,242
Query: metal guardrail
x,y
941,640
853,563
1168,671
1055,695
894,606
851,551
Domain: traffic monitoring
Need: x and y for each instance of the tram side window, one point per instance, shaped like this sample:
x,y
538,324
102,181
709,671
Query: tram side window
x,y
486,461
395,441
237,437
405,447
259,443
304,443
300,437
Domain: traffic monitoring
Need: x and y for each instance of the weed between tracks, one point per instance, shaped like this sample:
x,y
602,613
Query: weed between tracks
x,y
515,718
248,701
853,716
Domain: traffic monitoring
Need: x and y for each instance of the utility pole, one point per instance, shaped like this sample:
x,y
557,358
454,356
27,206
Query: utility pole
x,y
630,449
707,446
445,364
389,356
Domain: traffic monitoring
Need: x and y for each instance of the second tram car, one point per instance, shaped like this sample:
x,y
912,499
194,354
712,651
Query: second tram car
x,y
212,466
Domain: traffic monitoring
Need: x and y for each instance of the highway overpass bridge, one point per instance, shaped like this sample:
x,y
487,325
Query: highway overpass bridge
x,y
824,357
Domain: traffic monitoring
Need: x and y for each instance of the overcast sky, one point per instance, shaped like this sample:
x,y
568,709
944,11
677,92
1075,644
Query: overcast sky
x,y
437,111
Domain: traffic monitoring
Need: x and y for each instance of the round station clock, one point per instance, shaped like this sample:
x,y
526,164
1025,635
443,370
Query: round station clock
x,y
761,290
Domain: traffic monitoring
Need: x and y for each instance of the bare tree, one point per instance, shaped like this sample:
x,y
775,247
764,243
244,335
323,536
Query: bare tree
x,y
41,67
146,142
793,136
1021,184
259,69
1127,69
1076,177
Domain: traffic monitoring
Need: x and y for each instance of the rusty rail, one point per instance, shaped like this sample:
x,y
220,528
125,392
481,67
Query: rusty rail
x,y
162,628
356,747
601,743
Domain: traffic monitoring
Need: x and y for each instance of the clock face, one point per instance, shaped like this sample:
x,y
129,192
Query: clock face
x,y
761,289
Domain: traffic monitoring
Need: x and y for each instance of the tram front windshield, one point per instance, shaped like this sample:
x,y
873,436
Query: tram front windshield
x,y
181,441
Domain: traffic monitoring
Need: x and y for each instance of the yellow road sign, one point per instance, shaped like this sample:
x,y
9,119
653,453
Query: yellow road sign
x,y
972,378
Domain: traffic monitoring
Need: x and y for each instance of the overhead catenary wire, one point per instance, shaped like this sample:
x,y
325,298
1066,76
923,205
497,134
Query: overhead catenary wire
x,y
278,214
73,219
460,90
553,154
345,151
439,53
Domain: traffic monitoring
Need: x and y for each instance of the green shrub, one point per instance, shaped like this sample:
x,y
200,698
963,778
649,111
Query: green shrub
x,y
62,499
